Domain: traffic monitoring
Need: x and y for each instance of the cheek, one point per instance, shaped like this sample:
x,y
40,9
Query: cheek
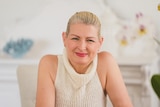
x,y
70,45
95,46
93,49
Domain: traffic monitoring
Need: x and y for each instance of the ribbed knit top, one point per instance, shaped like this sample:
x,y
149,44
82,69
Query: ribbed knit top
x,y
78,90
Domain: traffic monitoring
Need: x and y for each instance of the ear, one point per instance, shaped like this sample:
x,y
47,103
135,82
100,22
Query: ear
x,y
101,40
64,36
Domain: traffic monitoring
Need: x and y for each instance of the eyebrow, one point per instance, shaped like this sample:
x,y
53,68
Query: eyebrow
x,y
74,35
79,36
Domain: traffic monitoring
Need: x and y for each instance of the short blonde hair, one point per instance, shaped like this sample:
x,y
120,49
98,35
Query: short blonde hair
x,y
84,17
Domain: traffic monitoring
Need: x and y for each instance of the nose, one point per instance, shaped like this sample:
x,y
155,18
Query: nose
x,y
82,45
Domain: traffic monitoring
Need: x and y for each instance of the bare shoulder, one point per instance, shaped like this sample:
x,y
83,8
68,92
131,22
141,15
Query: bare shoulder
x,y
105,56
106,62
109,74
48,59
48,65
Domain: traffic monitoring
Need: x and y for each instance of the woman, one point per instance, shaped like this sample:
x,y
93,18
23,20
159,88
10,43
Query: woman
x,y
82,76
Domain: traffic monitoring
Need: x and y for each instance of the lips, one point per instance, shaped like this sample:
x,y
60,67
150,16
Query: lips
x,y
81,54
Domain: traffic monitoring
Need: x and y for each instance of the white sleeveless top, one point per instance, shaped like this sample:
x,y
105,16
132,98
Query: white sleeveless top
x,y
78,90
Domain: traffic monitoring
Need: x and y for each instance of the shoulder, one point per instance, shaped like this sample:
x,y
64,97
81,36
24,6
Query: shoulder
x,y
105,56
107,62
48,59
48,65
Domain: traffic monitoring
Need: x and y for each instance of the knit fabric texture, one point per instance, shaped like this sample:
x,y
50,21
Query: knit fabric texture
x,y
78,90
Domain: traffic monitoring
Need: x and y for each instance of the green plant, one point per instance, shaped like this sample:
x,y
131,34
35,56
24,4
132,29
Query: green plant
x,y
155,81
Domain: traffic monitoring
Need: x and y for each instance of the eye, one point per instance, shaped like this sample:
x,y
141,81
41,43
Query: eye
x,y
90,40
75,38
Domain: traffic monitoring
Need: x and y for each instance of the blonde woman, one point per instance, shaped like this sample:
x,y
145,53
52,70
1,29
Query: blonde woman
x,y
82,76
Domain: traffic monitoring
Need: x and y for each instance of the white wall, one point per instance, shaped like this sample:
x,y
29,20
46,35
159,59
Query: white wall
x,y
14,13
44,20
18,11
34,18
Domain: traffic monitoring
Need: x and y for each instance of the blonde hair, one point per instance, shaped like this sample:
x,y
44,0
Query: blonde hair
x,y
84,17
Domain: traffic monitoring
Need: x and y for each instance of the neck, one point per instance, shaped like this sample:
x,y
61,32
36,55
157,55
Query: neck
x,y
81,69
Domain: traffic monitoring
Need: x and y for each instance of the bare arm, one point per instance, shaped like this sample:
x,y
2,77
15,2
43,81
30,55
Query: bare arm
x,y
45,86
115,86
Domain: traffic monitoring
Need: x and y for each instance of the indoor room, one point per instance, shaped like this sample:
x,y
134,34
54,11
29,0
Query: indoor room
x,y
30,29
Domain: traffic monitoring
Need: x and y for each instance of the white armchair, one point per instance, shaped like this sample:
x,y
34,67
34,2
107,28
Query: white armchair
x,y
27,80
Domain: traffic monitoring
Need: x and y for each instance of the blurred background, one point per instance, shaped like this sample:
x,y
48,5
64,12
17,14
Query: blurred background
x,y
43,21
30,29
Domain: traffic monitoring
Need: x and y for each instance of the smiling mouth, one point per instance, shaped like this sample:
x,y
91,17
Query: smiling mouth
x,y
81,54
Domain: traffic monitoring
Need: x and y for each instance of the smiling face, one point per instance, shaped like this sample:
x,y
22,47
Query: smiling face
x,y
82,43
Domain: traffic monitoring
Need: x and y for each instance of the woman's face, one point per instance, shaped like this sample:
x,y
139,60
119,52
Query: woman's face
x,y
82,43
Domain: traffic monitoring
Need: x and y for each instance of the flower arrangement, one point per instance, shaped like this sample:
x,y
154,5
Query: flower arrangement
x,y
18,48
136,36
